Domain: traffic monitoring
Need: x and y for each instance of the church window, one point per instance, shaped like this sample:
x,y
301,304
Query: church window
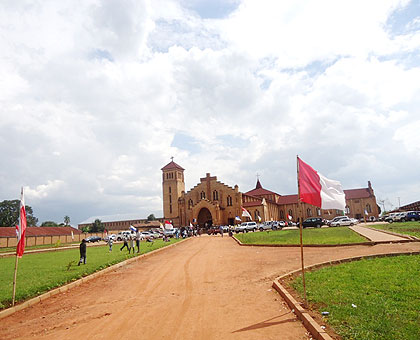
x,y
170,199
190,203
368,208
281,214
309,212
170,190
215,195
229,201
203,195
318,212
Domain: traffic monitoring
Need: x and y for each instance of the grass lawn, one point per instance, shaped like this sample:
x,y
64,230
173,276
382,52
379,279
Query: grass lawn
x,y
407,228
41,272
385,291
338,235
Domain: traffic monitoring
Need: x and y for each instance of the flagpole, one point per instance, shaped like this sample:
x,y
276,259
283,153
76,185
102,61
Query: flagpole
x,y
301,232
14,281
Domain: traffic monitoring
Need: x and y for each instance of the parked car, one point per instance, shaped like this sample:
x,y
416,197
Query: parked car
x,y
390,217
245,227
93,239
265,226
412,216
113,237
146,235
124,234
313,222
277,225
399,217
343,222
335,219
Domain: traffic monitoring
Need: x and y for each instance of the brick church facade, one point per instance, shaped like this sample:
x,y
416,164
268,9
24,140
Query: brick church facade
x,y
212,202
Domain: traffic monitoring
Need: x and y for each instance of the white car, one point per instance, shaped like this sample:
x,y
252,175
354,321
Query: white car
x,y
342,222
335,219
113,237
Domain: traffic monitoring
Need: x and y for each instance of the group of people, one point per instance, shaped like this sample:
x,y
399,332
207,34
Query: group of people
x,y
131,239
126,240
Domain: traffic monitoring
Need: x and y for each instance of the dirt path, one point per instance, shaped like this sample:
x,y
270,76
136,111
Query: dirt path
x,y
206,288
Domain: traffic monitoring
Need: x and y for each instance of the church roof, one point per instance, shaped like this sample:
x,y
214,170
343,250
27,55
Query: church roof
x,y
357,193
259,190
287,199
171,166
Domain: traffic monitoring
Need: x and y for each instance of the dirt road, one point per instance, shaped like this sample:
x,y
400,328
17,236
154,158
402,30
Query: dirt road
x,y
205,288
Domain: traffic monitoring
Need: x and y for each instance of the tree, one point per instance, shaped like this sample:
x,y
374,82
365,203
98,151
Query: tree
x,y
151,217
66,220
97,226
9,214
49,224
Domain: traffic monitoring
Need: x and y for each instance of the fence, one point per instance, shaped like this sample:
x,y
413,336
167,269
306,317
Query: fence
x,y
46,239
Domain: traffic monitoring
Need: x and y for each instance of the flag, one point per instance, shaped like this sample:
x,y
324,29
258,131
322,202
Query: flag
x,y
168,225
238,218
318,190
191,226
366,213
259,218
72,235
21,229
133,228
245,213
289,217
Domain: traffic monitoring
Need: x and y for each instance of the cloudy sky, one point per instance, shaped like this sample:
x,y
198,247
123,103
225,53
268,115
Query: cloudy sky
x,y
97,95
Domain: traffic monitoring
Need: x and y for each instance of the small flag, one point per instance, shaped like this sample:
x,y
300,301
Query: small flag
x,y
22,226
132,228
238,218
168,225
366,213
259,218
289,217
245,213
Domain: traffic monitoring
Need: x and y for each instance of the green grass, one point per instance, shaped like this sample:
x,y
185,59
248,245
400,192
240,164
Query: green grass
x,y
338,235
41,272
385,291
407,228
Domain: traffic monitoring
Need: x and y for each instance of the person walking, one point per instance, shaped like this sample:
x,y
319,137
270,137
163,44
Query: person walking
x,y
82,248
221,230
138,236
131,244
110,241
125,243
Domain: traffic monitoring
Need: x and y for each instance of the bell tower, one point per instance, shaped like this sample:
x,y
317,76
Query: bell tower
x,y
173,185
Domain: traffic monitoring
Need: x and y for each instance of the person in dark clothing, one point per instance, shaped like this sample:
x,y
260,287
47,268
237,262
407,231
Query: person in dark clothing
x,y
125,244
82,252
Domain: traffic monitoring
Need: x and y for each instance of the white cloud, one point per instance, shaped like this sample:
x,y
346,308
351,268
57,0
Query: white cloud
x,y
93,94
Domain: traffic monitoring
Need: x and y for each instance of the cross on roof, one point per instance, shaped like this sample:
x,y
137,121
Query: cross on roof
x,y
172,158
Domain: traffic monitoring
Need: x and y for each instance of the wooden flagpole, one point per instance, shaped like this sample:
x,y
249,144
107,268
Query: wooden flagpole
x,y
14,280
301,232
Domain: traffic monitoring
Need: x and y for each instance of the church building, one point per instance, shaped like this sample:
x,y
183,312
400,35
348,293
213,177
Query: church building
x,y
212,202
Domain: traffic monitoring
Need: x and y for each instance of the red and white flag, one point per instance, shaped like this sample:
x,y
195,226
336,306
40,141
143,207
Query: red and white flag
x,y
245,213
318,190
21,228
289,217
168,225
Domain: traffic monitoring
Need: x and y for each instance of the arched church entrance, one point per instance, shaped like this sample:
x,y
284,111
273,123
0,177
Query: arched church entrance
x,y
204,219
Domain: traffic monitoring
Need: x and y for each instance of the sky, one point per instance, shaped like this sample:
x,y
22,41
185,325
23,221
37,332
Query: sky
x,y
97,95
